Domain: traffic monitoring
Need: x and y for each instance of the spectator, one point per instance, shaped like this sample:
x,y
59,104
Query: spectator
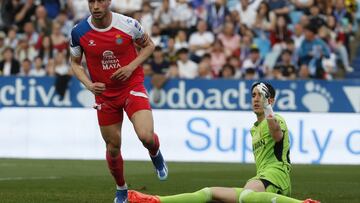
x,y
25,51
158,63
147,19
255,62
173,71
9,65
2,44
126,7
79,9
65,23
164,16
30,34
184,15
147,69
42,23
312,50
227,72
315,17
22,12
298,35
277,73
46,51
245,46
62,72
265,19
204,70
247,12
181,40
280,7
218,57
2,12
159,67
235,62
303,5
59,41
26,67
333,39
170,50
345,20
280,33
216,13
38,70
11,40
325,6
156,36
229,39
250,74
200,41
188,69
285,66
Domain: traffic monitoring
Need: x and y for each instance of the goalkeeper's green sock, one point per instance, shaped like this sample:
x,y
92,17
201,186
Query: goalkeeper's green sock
x,y
249,196
201,196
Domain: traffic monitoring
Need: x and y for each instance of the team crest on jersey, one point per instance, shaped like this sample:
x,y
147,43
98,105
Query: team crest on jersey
x,y
119,39
92,43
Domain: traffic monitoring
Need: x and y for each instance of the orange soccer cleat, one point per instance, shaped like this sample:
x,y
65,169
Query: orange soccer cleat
x,y
310,201
138,197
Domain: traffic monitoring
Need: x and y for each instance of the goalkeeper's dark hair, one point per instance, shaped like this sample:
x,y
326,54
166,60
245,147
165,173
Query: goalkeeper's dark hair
x,y
270,88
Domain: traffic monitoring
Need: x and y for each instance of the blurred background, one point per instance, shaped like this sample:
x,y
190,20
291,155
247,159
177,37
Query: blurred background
x,y
208,54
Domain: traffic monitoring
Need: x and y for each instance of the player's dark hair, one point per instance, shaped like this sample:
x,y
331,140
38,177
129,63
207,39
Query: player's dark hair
x,y
270,87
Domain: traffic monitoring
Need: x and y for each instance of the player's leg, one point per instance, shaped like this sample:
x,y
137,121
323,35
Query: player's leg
x,y
139,111
110,120
201,196
144,128
257,191
225,194
111,135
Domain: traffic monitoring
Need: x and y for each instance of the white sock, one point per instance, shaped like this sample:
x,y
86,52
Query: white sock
x,y
124,187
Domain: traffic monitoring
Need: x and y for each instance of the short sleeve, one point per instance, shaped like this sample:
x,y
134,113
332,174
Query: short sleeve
x,y
75,48
136,29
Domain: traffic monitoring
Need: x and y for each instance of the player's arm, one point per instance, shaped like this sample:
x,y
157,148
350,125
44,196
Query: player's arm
x,y
147,48
76,53
274,127
79,71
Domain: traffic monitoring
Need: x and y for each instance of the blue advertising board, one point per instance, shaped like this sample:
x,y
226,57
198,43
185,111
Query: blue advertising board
x,y
292,96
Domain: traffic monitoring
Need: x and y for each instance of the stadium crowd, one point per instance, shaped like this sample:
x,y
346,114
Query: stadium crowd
x,y
233,39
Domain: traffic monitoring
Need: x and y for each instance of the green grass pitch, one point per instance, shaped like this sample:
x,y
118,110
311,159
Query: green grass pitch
x,y
73,181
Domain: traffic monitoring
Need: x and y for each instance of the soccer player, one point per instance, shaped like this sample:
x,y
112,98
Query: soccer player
x,y
108,41
270,141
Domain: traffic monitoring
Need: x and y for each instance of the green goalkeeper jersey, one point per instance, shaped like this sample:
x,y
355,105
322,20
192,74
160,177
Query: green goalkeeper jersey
x,y
267,152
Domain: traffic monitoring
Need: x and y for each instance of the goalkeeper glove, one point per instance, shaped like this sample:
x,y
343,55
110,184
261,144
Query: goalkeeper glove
x,y
265,95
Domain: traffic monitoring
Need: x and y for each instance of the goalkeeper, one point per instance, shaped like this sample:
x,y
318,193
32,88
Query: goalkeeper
x,y
270,142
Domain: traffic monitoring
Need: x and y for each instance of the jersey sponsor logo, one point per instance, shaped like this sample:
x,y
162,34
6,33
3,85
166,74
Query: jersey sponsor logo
x,y
119,39
110,61
259,144
92,43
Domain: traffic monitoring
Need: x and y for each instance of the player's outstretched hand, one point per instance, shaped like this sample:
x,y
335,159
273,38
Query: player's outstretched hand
x,y
97,88
122,73
265,94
